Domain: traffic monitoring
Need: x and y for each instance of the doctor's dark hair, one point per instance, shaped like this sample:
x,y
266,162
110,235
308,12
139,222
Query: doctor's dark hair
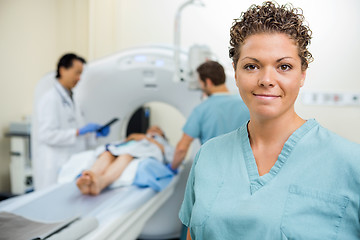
x,y
271,18
212,70
66,61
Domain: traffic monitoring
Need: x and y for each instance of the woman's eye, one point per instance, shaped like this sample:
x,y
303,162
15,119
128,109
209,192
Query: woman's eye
x,y
250,67
285,67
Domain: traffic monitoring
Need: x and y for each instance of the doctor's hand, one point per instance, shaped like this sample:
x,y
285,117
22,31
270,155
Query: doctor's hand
x,y
103,132
88,128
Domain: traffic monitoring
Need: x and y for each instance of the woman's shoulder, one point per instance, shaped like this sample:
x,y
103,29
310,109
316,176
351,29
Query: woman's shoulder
x,y
333,137
333,142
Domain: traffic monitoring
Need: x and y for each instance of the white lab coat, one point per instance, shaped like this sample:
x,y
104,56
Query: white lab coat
x,y
57,120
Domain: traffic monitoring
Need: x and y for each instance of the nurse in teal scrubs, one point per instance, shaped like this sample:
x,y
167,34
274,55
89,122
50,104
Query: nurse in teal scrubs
x,y
279,176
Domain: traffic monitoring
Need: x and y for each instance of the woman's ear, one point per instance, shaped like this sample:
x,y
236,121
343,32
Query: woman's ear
x,y
235,74
302,80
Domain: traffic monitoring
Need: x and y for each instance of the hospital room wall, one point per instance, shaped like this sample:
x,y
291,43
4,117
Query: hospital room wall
x,y
33,35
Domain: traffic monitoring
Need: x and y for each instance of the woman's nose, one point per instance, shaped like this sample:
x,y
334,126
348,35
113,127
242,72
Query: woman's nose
x,y
267,77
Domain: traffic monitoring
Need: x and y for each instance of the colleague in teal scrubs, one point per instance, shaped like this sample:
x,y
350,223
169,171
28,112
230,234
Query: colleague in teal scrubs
x,y
220,113
279,176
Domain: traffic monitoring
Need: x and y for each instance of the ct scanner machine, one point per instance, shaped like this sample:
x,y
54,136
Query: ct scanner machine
x,y
116,86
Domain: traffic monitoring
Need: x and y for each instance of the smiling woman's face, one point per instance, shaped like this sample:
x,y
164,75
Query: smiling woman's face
x,y
268,75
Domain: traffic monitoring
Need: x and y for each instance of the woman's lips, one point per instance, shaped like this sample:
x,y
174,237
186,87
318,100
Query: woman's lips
x,y
266,96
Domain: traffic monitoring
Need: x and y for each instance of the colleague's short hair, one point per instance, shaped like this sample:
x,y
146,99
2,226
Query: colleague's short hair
x,y
212,70
270,17
66,61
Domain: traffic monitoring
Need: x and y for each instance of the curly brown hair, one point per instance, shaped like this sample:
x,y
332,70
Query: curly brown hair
x,y
271,18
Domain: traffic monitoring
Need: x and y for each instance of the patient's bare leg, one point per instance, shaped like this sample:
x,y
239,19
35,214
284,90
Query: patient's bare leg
x,y
102,163
99,167
113,172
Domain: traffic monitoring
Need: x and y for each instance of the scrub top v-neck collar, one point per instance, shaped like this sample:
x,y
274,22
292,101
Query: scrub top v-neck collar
x,y
257,181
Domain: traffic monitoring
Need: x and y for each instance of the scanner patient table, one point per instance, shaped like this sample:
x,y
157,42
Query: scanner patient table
x,y
121,213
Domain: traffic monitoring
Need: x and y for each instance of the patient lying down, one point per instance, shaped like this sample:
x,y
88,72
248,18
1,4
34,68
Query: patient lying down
x,y
112,162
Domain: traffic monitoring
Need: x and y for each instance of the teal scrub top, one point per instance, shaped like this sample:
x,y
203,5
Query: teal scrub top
x,y
219,114
312,191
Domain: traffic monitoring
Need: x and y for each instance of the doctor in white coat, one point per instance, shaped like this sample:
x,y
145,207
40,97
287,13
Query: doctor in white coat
x,y
61,129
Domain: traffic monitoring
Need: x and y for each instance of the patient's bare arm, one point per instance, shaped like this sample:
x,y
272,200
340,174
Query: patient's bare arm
x,y
141,136
136,137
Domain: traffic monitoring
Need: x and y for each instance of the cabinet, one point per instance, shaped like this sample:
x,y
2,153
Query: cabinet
x,y
20,158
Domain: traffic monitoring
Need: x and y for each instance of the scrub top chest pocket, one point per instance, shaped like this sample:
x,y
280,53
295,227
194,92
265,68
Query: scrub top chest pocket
x,y
204,202
312,214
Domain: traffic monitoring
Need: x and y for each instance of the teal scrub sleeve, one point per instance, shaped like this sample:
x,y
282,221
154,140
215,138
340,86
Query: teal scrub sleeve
x,y
189,196
192,126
